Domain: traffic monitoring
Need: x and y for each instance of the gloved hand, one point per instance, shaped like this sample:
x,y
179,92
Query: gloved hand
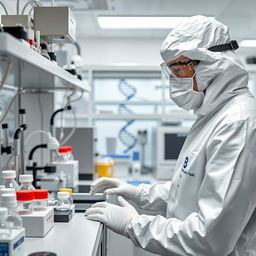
x,y
113,186
113,216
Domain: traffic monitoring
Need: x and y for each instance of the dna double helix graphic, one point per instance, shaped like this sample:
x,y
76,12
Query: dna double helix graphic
x,y
126,137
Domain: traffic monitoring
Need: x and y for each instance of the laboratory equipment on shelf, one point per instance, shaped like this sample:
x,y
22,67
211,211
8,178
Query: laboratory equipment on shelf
x,y
63,203
40,200
9,201
9,179
25,201
26,182
167,141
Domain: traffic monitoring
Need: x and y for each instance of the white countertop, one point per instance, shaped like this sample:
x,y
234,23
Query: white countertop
x,y
79,237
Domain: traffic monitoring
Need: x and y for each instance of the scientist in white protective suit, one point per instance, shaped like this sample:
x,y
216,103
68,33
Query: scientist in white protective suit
x,y
208,209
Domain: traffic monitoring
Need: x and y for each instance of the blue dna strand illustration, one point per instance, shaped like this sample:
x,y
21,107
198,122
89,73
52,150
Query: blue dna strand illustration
x,y
126,138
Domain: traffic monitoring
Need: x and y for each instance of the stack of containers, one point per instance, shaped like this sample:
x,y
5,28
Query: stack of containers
x,y
36,215
11,227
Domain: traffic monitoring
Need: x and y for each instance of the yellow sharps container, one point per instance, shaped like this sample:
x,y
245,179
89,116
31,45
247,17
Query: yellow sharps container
x,y
105,167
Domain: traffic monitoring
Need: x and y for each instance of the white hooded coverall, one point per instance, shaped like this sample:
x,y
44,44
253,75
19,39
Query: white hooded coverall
x,y
209,207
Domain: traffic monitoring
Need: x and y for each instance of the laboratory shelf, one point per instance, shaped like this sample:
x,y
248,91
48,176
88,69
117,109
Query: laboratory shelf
x,y
42,72
118,102
166,117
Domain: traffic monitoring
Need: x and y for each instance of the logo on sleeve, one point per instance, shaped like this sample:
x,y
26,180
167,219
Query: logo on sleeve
x,y
185,163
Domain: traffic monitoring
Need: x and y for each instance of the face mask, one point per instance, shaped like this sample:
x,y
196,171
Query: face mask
x,y
182,93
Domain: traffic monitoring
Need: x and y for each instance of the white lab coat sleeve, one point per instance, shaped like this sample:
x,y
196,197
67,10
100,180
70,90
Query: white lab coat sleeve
x,y
153,197
226,201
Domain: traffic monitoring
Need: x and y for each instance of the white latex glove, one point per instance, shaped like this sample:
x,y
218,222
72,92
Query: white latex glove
x,y
113,186
113,216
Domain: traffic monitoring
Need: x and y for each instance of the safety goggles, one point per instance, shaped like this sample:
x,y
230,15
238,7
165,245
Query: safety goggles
x,y
186,69
179,69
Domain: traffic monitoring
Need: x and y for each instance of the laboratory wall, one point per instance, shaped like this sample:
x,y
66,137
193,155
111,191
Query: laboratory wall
x,y
120,51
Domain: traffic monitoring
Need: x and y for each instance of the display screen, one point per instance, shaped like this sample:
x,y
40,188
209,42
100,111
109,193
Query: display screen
x,y
173,143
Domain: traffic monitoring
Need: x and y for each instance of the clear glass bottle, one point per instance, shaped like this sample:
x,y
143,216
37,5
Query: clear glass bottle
x,y
5,231
9,201
25,201
69,190
26,182
40,200
63,204
9,177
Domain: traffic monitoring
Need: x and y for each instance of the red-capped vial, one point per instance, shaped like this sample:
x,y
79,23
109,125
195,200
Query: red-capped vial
x,y
62,154
40,199
25,201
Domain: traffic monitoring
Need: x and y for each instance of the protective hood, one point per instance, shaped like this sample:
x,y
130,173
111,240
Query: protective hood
x,y
222,74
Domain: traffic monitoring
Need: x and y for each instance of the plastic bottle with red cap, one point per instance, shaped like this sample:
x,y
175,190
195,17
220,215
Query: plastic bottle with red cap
x,y
65,153
25,201
40,199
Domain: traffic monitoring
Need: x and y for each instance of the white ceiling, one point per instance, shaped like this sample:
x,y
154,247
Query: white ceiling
x,y
239,15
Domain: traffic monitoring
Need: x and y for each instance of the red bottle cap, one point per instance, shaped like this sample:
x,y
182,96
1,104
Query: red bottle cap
x,y
40,194
25,195
69,149
63,150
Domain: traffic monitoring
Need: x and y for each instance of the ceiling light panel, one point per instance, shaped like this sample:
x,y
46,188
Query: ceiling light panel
x,y
133,22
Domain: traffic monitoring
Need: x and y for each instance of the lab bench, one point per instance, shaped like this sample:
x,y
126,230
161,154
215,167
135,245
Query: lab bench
x,y
79,237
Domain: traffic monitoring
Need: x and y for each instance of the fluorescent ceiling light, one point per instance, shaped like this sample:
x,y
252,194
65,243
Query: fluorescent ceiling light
x,y
133,22
247,43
